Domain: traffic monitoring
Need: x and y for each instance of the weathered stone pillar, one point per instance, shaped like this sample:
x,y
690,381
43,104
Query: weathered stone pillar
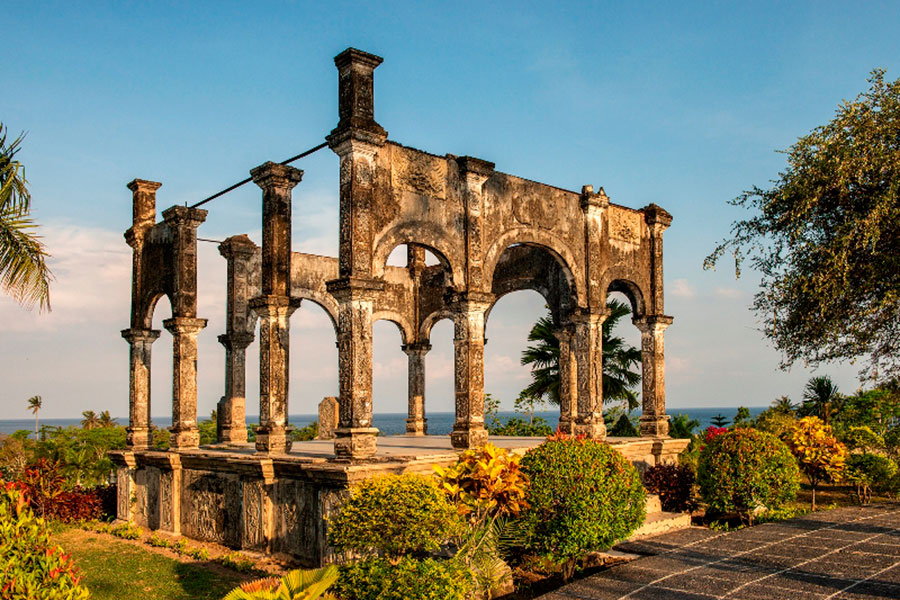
x,y
416,423
275,306
355,436
170,496
184,330
654,420
588,341
568,381
231,426
329,413
138,432
468,343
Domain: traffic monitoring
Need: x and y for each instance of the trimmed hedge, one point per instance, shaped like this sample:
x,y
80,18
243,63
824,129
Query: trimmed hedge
x,y
408,579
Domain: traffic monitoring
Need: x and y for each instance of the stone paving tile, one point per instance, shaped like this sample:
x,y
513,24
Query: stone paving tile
x,y
846,554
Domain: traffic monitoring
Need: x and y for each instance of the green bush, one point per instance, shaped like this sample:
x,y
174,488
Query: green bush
x,y
30,567
393,515
584,496
408,579
868,471
745,469
127,531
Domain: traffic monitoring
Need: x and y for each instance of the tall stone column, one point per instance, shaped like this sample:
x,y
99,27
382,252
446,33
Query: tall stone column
x,y
231,409
588,341
275,306
568,381
654,420
184,330
468,343
355,435
138,433
416,423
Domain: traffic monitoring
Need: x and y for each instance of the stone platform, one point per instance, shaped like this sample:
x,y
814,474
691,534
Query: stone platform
x,y
279,504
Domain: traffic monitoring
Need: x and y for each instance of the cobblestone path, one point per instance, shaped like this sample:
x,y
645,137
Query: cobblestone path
x,y
843,554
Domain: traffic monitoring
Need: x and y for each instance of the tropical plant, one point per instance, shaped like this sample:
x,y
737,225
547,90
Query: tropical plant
x,y
820,455
89,420
673,483
867,471
619,360
719,420
30,566
44,486
105,420
393,515
784,405
826,228
404,579
682,426
744,470
584,496
820,398
623,427
296,585
24,274
34,405
742,418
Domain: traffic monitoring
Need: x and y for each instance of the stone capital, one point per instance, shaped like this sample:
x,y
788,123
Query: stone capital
x,y
184,215
237,245
271,175
184,325
589,199
353,287
236,341
143,185
471,302
140,335
416,348
653,323
358,143
353,58
274,306
584,316
474,171
657,218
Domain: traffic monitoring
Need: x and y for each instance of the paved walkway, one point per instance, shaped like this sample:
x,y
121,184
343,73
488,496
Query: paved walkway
x,y
845,554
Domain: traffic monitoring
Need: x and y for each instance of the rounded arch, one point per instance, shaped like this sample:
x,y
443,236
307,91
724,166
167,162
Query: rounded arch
x,y
149,308
553,245
324,300
424,234
431,320
632,291
407,332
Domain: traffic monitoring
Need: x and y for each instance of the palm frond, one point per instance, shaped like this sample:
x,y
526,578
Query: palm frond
x,y
24,273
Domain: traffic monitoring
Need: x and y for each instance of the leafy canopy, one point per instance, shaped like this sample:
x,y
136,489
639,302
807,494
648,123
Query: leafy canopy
x,y
825,236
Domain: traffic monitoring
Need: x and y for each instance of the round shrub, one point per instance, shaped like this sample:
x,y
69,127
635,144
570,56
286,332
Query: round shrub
x,y
745,469
584,497
408,579
393,515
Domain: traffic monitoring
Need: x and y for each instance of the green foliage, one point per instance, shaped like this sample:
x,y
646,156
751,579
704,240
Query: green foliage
x,y
878,409
869,471
624,428
682,426
393,515
743,470
719,420
407,579
861,437
157,541
776,421
237,561
30,566
296,585
197,553
127,531
81,452
584,496
742,418
306,433
24,274
673,483
821,399
517,427
46,490
820,455
825,232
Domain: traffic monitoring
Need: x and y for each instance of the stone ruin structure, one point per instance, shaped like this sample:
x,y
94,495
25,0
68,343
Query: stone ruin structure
x,y
492,234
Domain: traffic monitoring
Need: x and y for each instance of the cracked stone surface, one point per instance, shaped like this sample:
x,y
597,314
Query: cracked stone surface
x,y
844,554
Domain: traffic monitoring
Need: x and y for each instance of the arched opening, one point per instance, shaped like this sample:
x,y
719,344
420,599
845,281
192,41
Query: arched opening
x,y
440,403
313,366
161,370
389,378
621,364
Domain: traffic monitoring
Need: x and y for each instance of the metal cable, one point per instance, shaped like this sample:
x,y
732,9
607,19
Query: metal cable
x,y
249,179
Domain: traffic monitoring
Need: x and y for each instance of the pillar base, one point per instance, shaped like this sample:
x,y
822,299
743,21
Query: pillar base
x,y
236,435
138,438
594,430
184,439
416,426
566,426
273,440
655,426
355,442
469,438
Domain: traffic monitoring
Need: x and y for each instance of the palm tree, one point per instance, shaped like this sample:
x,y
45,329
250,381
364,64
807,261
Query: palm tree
x,y
34,405
820,398
619,380
682,426
90,420
24,274
105,420
784,405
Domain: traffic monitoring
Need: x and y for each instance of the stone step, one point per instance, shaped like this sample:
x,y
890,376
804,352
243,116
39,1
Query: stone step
x,y
662,522
653,504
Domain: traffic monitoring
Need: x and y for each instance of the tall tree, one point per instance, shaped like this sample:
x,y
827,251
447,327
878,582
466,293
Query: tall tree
x,y
90,420
619,360
105,420
821,398
24,274
783,405
825,238
34,405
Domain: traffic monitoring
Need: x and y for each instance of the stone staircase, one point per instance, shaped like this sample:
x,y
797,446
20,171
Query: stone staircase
x,y
658,521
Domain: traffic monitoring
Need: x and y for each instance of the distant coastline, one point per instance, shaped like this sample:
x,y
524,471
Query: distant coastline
x,y
439,423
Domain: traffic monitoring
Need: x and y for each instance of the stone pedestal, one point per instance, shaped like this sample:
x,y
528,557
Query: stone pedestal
x,y
184,332
138,432
329,414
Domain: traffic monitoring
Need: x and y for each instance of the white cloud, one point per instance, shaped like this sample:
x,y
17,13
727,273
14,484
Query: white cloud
x,y
681,288
728,293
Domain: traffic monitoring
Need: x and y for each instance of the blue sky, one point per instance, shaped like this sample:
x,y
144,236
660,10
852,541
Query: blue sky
x,y
683,105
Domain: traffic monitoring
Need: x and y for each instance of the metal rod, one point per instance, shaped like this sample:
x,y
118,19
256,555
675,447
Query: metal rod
x,y
249,179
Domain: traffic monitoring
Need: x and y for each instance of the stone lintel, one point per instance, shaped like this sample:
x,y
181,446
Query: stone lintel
x,y
274,175
657,215
355,442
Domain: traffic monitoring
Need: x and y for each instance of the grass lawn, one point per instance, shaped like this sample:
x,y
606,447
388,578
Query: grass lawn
x,y
113,569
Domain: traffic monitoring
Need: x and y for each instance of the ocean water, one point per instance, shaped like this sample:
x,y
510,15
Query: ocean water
x,y
395,423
